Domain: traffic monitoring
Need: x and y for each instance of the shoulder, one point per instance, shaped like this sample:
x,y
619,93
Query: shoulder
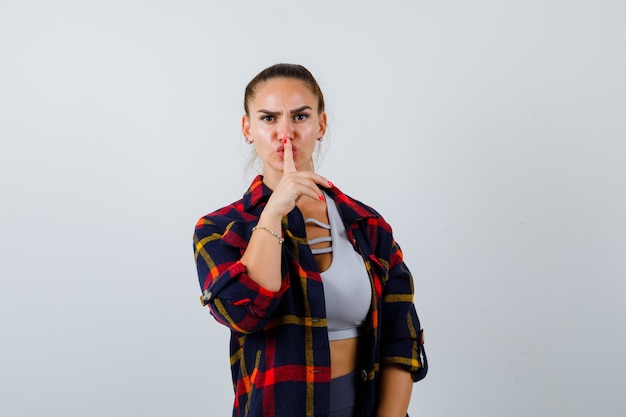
x,y
221,218
363,207
355,211
230,225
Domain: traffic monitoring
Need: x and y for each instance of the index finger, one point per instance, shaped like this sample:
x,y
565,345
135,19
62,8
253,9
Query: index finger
x,y
288,163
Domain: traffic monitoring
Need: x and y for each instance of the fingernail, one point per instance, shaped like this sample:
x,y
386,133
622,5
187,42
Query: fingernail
x,y
330,184
321,197
284,140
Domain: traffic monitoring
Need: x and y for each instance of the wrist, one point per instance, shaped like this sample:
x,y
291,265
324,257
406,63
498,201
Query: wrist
x,y
271,232
270,219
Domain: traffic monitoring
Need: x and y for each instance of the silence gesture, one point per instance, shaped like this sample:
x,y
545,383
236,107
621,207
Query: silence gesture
x,y
294,184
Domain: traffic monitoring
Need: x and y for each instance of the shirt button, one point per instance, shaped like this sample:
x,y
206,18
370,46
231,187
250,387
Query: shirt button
x,y
364,375
206,297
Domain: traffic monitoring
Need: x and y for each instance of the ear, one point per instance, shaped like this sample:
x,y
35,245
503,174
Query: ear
x,y
245,125
323,121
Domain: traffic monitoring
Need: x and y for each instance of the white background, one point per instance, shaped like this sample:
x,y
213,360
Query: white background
x,y
490,134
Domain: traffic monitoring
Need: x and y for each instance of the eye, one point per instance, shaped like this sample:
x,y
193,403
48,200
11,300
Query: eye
x,y
267,118
301,117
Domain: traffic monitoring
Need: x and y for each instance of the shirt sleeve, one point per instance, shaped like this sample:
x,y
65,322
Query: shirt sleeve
x,y
401,332
233,298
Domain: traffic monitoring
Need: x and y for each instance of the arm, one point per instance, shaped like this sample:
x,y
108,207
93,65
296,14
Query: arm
x,y
401,334
241,275
234,298
402,356
394,392
262,258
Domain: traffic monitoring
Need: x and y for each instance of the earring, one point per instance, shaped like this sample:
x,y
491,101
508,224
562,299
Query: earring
x,y
320,139
249,141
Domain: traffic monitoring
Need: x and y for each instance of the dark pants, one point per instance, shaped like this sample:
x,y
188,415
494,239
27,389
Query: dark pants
x,y
343,395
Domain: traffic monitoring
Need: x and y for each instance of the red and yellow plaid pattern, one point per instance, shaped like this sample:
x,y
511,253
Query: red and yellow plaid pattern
x,y
280,360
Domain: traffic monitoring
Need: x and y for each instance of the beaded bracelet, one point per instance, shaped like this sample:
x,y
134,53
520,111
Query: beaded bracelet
x,y
268,230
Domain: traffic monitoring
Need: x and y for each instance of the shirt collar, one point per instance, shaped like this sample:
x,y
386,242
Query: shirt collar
x,y
351,211
258,193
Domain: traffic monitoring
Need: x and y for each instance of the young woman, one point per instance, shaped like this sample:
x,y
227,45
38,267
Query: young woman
x,y
310,282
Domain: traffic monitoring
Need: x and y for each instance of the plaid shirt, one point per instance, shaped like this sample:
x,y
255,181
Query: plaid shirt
x,y
279,346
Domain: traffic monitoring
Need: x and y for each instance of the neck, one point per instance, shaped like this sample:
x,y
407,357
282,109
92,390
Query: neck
x,y
271,180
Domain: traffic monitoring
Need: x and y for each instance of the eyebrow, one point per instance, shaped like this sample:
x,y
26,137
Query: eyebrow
x,y
276,113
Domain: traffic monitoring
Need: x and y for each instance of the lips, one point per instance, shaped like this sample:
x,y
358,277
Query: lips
x,y
281,151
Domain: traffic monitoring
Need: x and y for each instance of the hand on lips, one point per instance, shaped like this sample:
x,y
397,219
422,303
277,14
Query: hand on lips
x,y
294,184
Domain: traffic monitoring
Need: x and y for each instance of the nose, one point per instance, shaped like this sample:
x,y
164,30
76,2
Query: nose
x,y
285,128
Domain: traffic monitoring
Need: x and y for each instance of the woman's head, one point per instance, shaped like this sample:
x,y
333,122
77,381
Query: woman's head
x,y
284,101
289,71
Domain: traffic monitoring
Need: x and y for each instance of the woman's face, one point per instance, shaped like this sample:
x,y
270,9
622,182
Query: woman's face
x,y
283,107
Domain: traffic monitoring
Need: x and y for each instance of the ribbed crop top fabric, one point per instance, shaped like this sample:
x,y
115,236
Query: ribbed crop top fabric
x,y
347,290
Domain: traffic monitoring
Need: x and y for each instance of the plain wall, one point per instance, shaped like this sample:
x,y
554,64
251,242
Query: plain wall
x,y
490,134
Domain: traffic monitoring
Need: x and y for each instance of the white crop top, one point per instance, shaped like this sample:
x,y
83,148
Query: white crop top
x,y
347,289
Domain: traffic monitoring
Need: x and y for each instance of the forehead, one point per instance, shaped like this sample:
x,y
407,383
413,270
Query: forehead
x,y
283,92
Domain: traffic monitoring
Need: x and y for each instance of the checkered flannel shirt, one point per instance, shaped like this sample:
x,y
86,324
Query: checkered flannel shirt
x,y
279,348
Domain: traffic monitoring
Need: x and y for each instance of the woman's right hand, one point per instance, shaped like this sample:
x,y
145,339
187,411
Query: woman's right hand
x,y
293,185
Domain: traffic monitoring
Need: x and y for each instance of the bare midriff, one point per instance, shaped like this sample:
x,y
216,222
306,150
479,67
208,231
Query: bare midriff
x,y
343,356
